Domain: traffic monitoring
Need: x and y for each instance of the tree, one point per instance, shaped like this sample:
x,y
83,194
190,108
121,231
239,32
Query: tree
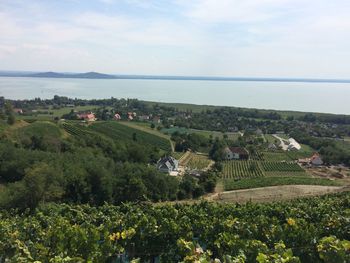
x,y
10,114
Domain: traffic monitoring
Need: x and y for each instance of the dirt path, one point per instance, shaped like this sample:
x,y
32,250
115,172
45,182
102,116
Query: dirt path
x,y
276,193
283,145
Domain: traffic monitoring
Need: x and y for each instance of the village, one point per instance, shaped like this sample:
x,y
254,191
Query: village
x,y
236,154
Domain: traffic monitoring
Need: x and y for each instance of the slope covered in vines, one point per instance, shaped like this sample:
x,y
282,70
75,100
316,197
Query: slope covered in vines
x,y
305,230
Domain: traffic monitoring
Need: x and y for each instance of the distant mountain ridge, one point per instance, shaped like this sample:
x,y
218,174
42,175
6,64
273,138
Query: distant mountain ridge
x,y
97,75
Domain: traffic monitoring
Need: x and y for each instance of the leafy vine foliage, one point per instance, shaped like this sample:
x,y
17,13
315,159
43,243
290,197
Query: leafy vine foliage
x,y
307,230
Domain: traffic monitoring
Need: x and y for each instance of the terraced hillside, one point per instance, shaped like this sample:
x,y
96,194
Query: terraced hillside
x,y
119,131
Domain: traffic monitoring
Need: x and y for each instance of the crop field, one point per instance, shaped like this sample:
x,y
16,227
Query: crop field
x,y
118,131
231,184
253,169
275,156
75,129
280,167
196,161
241,169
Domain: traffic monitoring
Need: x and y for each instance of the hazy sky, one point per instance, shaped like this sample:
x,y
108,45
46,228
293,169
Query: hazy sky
x,y
267,38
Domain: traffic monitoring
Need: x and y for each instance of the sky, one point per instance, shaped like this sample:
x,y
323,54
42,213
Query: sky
x,y
238,38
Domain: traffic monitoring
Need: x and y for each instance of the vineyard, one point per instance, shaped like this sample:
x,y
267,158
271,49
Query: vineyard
x,y
280,167
118,131
275,156
253,169
305,230
75,129
241,169
231,184
195,161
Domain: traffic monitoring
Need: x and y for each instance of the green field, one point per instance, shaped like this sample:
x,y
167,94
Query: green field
x,y
231,184
241,169
275,156
252,169
280,167
196,161
215,134
38,128
52,113
118,131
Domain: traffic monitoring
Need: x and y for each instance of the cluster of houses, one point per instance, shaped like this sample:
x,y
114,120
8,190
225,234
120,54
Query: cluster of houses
x,y
132,116
88,116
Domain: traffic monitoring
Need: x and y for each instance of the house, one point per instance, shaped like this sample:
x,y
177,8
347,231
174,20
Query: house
x,y
259,132
144,118
316,159
18,111
168,165
272,147
117,117
156,119
86,116
130,116
236,153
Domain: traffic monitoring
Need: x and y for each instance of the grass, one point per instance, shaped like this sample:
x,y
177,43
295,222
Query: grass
x,y
196,161
39,128
3,126
177,155
273,181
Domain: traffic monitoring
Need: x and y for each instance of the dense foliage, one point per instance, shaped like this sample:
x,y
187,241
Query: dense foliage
x,y
39,162
307,230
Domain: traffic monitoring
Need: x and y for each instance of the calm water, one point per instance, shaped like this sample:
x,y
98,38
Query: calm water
x,y
314,97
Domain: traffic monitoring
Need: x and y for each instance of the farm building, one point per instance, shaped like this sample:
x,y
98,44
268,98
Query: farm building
x,y
18,111
314,160
156,119
168,164
86,116
272,147
144,118
236,153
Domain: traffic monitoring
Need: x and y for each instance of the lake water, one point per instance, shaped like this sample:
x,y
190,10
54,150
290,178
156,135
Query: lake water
x,y
312,97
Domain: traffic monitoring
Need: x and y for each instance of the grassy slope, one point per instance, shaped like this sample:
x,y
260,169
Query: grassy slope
x,y
118,131
145,127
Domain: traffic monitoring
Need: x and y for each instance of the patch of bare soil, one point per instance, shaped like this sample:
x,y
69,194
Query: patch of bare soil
x,y
337,172
276,193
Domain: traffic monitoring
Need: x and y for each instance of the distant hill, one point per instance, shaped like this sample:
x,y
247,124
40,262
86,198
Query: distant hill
x,y
96,75
87,75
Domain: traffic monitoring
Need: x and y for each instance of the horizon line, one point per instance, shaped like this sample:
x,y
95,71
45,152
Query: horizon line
x,y
85,75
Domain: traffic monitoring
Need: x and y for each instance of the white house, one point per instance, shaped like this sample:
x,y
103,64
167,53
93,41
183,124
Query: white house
x,y
168,165
235,153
